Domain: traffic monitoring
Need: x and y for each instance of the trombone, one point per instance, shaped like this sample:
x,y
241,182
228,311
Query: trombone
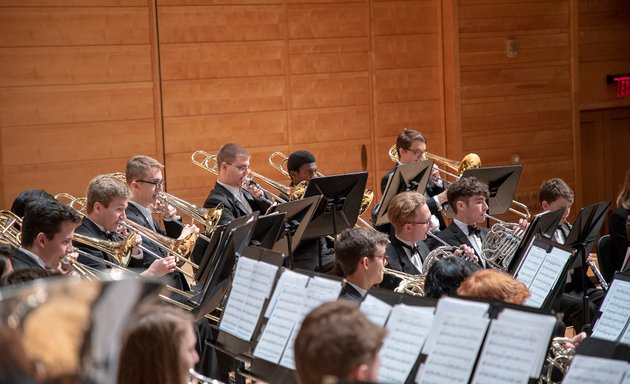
x,y
470,161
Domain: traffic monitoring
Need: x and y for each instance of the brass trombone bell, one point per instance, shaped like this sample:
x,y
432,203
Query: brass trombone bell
x,y
470,161
121,250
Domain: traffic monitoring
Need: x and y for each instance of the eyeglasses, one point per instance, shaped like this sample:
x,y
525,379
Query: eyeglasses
x,y
420,222
384,258
241,168
156,183
417,152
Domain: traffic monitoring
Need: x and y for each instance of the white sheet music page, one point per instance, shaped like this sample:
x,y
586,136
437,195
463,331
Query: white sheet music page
x,y
530,266
252,285
615,311
626,378
319,290
515,348
547,275
289,301
407,328
595,370
376,310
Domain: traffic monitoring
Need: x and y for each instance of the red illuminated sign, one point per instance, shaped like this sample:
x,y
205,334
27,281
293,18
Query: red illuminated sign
x,y
623,86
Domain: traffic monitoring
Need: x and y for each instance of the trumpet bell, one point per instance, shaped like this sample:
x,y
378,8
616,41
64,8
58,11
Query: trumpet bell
x,y
470,161
366,200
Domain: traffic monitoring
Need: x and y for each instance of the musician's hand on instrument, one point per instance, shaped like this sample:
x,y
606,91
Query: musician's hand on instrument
x,y
136,252
442,198
523,223
435,174
589,259
466,252
575,341
161,267
65,265
187,230
168,211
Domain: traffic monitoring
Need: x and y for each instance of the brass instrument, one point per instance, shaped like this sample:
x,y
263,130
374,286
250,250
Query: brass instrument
x,y
10,225
209,217
410,284
120,250
500,244
558,359
197,378
368,194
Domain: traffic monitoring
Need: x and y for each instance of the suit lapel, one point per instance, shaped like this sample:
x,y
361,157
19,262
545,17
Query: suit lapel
x,y
234,202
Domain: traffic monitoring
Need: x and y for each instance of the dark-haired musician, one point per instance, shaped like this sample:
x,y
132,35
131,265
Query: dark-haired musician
x,y
233,167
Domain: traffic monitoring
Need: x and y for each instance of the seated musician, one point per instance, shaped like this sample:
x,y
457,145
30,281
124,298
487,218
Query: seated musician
x,y
337,340
311,254
6,260
233,167
47,230
494,285
617,227
361,257
555,194
467,197
26,197
106,203
411,146
145,181
445,276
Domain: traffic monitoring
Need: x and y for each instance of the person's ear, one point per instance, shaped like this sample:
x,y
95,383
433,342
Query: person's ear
x,y
293,175
364,262
461,205
360,373
40,239
545,205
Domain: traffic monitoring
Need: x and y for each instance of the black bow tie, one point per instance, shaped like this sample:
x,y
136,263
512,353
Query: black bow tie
x,y
111,236
412,248
472,230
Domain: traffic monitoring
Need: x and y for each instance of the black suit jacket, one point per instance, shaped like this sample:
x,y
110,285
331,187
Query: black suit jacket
x,y
231,209
21,260
348,292
398,259
173,230
454,236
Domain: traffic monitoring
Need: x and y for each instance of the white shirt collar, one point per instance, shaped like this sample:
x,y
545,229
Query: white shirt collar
x,y
361,291
146,212
463,226
233,190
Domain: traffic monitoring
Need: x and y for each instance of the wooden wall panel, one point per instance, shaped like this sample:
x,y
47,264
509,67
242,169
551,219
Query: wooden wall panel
x,y
604,49
520,108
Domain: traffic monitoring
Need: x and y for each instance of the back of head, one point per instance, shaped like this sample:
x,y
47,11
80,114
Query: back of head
x,y
6,260
46,216
104,189
229,152
623,199
354,243
25,276
554,189
465,188
445,276
402,208
298,158
335,338
137,167
26,197
494,285
151,346
407,137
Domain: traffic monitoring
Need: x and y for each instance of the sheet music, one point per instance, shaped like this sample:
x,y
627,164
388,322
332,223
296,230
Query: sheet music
x,y
625,338
407,328
626,378
530,266
515,348
615,312
288,277
283,318
252,285
595,370
451,360
376,310
547,276
449,305
319,290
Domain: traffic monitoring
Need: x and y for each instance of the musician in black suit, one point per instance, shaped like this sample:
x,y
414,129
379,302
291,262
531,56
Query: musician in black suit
x,y
106,203
467,197
411,146
618,235
555,194
361,257
311,254
233,167
47,230
144,179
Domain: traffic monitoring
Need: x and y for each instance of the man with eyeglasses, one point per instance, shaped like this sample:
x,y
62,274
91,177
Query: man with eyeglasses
x,y
145,180
361,257
233,167
411,146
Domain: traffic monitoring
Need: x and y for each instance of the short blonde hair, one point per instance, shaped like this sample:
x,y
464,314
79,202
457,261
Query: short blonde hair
x,y
104,189
137,167
402,208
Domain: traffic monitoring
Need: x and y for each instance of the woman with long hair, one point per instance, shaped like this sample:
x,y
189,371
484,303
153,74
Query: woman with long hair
x,y
617,227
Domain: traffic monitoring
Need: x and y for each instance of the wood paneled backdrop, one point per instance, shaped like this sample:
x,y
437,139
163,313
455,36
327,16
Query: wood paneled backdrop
x,y
86,84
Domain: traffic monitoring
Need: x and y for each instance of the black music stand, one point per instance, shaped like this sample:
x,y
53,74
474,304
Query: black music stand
x,y
268,230
341,201
544,224
582,238
298,215
406,177
501,181
221,278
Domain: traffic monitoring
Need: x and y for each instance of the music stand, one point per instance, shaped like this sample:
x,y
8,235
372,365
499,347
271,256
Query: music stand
x,y
268,230
501,182
406,177
298,215
544,224
582,238
339,209
221,278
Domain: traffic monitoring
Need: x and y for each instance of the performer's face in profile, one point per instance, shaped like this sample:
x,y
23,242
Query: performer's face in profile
x,y
305,173
235,172
52,250
414,154
188,356
473,211
146,193
423,215
557,204
377,264
108,217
